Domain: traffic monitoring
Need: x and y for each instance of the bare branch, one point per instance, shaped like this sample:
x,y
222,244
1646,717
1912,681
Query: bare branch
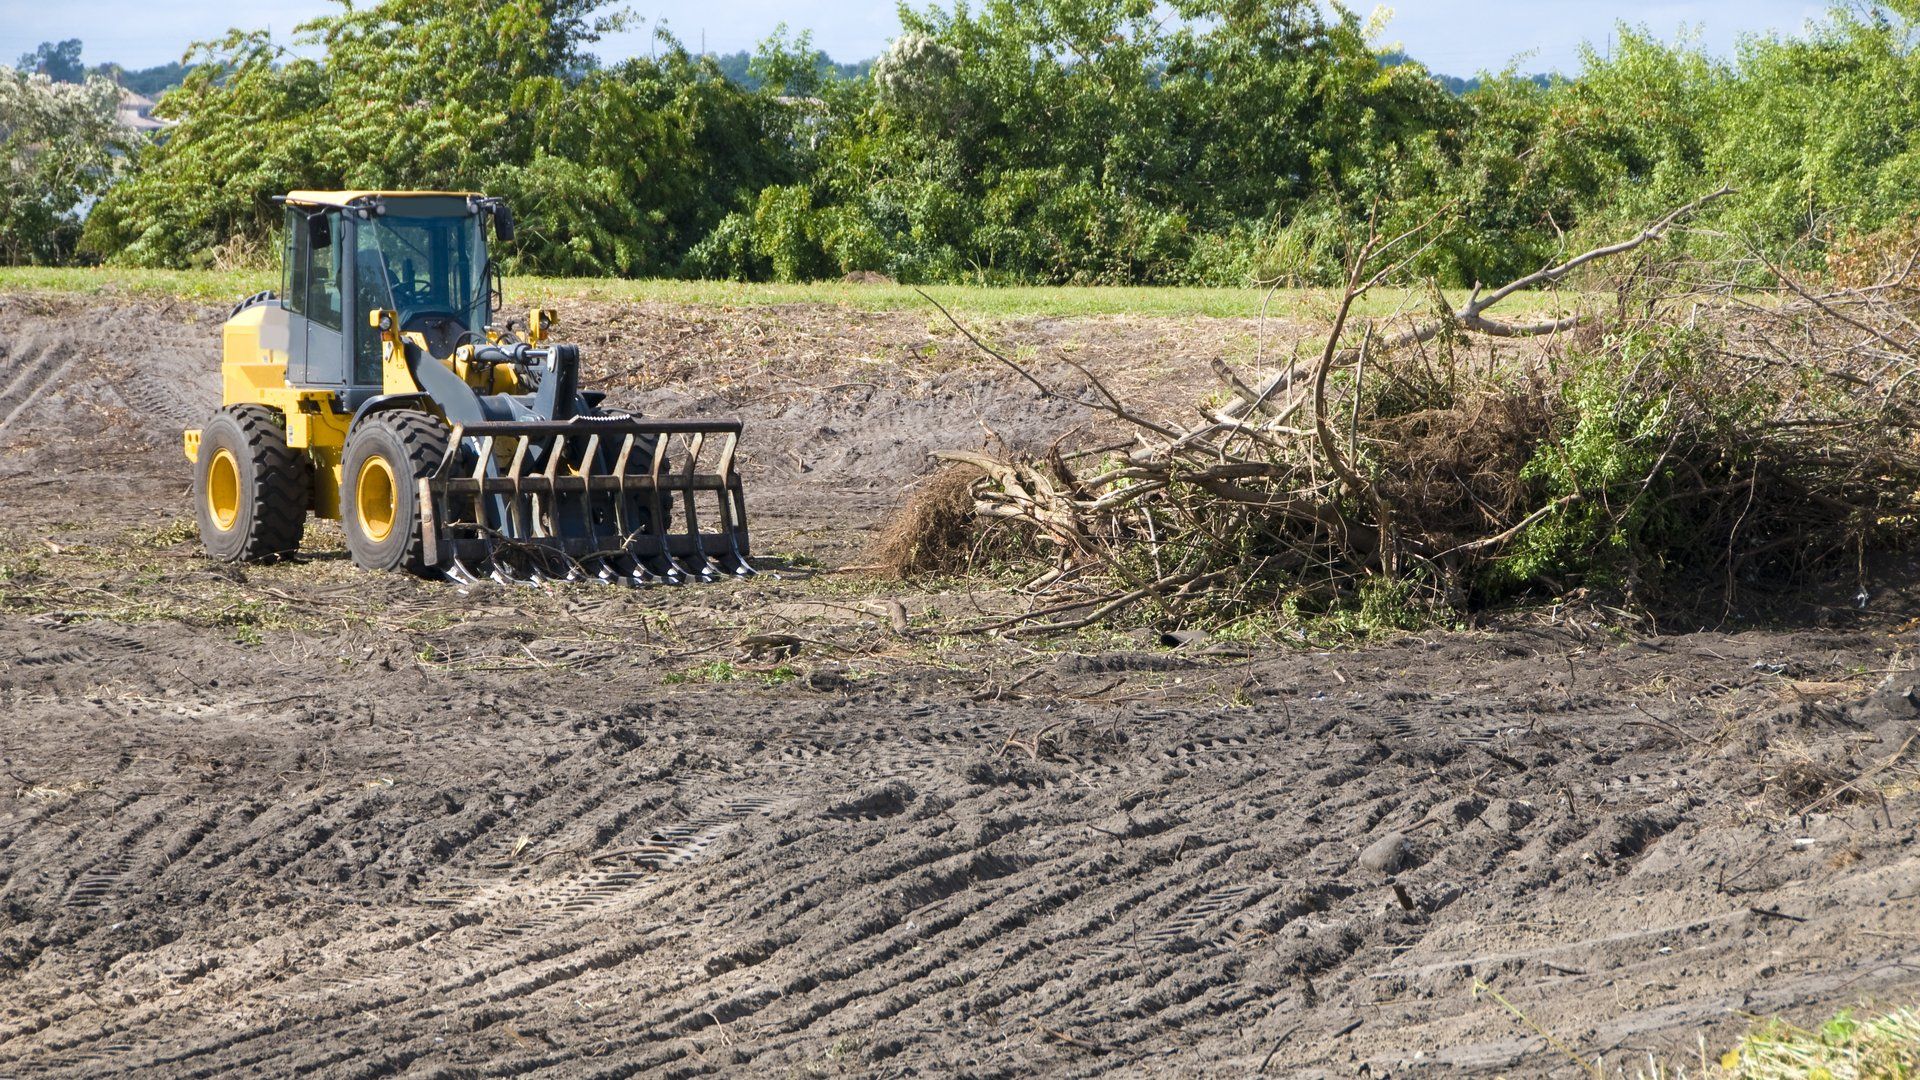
x,y
1471,316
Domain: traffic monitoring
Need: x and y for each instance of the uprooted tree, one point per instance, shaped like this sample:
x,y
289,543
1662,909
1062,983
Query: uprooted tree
x,y
1686,441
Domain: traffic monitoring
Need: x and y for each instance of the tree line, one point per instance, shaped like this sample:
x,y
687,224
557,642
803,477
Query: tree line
x,y
60,62
1068,141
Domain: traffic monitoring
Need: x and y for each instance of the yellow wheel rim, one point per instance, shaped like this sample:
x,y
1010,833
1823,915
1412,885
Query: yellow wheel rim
x,y
377,498
223,489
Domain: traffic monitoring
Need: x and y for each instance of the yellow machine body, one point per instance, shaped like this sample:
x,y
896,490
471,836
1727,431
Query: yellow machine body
x,y
253,371
470,450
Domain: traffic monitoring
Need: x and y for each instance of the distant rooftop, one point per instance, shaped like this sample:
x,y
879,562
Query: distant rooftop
x,y
136,112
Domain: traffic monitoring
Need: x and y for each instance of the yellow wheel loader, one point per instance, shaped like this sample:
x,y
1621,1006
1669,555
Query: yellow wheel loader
x,y
374,387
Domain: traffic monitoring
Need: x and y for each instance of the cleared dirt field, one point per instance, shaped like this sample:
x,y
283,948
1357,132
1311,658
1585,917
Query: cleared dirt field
x,y
299,819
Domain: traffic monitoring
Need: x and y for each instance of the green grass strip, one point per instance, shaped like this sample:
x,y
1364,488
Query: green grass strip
x,y
1054,301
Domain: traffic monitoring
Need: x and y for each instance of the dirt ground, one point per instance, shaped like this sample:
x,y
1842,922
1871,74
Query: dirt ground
x,y
301,819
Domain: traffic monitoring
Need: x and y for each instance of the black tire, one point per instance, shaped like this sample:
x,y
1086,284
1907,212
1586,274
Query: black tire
x,y
250,490
396,447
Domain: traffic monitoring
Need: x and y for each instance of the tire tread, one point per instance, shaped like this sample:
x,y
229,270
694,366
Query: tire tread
x,y
280,500
424,438
277,482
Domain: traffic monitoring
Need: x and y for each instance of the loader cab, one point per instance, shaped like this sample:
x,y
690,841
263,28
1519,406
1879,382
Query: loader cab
x,y
350,253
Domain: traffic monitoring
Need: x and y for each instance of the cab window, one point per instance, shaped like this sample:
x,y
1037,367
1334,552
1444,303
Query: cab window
x,y
372,291
324,276
293,288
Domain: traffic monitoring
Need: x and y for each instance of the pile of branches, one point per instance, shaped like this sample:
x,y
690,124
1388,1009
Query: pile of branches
x,y
1690,442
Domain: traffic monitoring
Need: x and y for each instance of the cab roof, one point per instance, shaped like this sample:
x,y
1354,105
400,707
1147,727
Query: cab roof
x,y
347,198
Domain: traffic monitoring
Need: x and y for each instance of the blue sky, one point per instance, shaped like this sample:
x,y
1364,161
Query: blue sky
x,y
1450,36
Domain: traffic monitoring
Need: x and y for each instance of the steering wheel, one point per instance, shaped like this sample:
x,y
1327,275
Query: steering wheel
x,y
405,293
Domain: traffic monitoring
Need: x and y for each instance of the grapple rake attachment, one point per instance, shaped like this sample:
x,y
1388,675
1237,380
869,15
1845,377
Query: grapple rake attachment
x,y
585,499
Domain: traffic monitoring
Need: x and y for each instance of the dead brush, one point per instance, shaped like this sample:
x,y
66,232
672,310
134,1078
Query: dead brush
x,y
1795,775
1797,778
933,533
246,251
1651,451
1455,471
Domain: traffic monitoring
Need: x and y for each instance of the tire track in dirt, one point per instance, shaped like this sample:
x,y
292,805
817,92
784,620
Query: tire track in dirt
x,y
664,849
879,963
1172,920
99,882
1172,917
24,380
153,400
899,861
534,943
1169,907
540,945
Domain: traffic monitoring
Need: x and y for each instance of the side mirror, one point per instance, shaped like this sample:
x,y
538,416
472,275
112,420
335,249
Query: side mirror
x,y
502,223
319,232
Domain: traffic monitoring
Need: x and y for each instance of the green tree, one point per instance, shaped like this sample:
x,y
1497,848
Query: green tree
x,y
1820,132
1088,140
57,144
149,81
1177,141
613,171
57,61
1524,172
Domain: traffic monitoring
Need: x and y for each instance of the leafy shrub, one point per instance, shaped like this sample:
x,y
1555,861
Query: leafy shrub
x,y
612,171
1082,141
57,142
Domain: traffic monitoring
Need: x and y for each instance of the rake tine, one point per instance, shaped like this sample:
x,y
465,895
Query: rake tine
x,y
502,572
482,461
695,444
741,568
625,568
589,469
555,506
620,503
659,506
597,570
661,568
676,570
559,501
557,565
614,570
732,507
